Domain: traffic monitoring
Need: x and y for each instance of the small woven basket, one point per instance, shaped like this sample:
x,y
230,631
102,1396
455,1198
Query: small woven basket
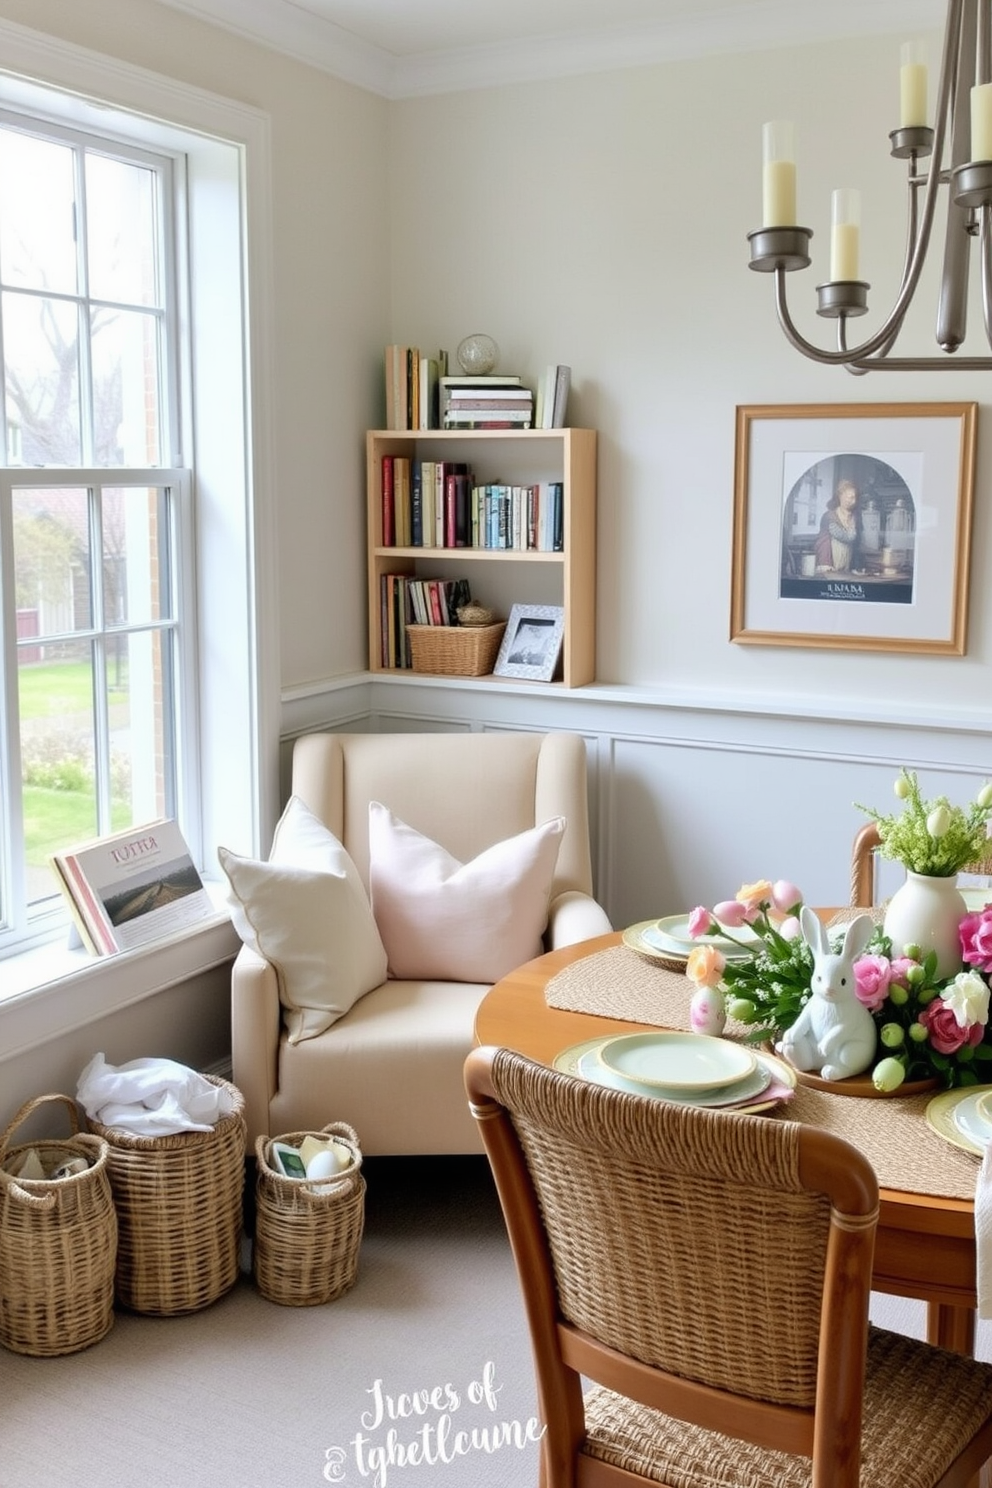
x,y
179,1212
306,1242
58,1243
455,650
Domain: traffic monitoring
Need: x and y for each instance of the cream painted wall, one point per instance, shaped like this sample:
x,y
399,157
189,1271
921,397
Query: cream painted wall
x,y
331,316
600,221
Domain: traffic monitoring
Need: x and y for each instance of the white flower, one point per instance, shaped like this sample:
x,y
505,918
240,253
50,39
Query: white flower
x,y
968,998
938,821
984,797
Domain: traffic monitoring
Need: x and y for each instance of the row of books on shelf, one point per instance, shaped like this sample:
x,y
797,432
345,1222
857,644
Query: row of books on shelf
x,y
405,600
439,504
421,395
413,388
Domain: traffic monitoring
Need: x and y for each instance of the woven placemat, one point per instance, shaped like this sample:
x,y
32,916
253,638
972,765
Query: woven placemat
x,y
892,1133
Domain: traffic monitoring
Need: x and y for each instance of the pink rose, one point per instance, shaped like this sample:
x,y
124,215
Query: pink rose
x,y
790,928
785,896
898,969
975,934
700,922
729,912
704,965
944,1031
872,975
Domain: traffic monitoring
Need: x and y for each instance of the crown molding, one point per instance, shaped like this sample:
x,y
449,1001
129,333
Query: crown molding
x,y
757,25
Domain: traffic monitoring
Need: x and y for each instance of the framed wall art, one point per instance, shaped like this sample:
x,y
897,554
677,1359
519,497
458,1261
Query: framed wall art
x,y
531,643
852,526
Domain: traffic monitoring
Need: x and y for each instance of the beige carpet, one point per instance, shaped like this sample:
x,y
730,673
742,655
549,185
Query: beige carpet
x,y
247,1394
251,1395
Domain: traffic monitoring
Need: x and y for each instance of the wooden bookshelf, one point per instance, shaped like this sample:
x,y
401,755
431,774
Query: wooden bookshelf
x,y
500,577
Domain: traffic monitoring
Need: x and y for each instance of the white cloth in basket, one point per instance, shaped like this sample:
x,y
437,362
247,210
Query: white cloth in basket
x,y
151,1097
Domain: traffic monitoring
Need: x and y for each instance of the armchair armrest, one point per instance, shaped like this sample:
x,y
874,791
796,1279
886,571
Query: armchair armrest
x,y
256,1022
574,916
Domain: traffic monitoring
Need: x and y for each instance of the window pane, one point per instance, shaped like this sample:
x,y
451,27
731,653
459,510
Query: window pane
x,y
121,231
37,214
51,562
41,352
126,400
140,694
55,690
135,556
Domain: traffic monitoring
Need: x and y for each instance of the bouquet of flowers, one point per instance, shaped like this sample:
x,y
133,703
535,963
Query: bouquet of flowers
x,y
932,837
927,1027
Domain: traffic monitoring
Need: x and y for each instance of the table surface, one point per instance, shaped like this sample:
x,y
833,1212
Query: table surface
x,y
925,1246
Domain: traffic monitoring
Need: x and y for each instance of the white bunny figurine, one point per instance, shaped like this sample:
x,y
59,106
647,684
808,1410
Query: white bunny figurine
x,y
835,1033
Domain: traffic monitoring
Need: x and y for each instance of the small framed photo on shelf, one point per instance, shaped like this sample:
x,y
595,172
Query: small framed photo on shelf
x,y
531,642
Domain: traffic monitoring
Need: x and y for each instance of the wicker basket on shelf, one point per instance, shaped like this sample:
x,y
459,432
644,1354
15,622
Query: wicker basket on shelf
x,y
308,1234
58,1242
455,650
179,1211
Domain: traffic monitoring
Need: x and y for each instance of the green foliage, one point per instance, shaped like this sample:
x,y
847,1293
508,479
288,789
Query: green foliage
x,y
932,837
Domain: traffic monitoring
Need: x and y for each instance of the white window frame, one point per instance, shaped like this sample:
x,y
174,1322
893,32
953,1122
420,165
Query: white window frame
x,y
226,149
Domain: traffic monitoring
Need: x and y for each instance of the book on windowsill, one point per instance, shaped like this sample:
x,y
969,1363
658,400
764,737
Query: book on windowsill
x,y
132,887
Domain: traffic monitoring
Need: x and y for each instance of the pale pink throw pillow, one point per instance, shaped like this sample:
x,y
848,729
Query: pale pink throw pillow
x,y
445,921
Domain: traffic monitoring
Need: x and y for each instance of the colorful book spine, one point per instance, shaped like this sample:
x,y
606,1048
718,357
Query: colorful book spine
x,y
388,503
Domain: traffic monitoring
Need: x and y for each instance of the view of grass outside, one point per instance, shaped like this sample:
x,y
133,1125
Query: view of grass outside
x,y
56,704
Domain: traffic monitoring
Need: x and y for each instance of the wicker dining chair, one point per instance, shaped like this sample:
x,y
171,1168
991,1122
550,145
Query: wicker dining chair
x,y
866,844
709,1273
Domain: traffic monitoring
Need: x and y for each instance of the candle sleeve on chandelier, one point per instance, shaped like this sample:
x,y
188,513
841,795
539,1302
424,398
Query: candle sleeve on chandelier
x,y
912,85
981,121
779,175
845,234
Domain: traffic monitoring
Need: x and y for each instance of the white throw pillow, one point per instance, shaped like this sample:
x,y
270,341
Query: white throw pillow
x,y
306,911
441,920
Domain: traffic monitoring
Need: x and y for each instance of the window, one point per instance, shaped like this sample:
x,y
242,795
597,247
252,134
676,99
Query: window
x,y
94,507
220,566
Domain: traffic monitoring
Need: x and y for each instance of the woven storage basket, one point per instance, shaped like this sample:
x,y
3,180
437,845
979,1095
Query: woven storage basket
x,y
455,650
179,1212
58,1243
306,1243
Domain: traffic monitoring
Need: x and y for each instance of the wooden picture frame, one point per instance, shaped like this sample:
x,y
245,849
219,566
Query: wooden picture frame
x,y
852,526
531,643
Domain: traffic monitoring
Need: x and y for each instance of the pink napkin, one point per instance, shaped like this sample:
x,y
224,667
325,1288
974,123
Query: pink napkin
x,y
778,1090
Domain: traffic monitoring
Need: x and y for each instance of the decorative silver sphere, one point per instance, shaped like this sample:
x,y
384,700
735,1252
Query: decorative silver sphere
x,y
477,354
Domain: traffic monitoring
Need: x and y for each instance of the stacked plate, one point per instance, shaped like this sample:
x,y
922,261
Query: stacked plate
x,y
963,1117
687,1068
668,939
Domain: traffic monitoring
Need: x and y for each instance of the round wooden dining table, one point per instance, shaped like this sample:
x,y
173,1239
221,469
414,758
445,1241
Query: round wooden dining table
x,y
925,1245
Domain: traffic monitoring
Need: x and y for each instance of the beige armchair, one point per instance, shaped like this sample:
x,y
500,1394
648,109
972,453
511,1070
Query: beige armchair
x,y
392,1065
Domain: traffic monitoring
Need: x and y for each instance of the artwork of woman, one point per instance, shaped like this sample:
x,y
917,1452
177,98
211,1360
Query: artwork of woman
x,y
838,543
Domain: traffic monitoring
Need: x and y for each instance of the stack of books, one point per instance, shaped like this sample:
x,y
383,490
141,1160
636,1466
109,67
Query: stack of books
x,y
486,402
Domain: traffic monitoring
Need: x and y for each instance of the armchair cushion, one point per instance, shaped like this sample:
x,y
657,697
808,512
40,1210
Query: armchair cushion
x,y
442,920
306,911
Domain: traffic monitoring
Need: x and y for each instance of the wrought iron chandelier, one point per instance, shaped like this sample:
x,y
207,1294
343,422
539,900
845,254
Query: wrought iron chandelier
x,y
959,149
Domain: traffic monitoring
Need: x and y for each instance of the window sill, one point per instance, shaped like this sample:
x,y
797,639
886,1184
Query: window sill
x,y
51,989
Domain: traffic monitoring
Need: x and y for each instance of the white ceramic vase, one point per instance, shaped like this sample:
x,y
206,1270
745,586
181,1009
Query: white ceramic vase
x,y
926,912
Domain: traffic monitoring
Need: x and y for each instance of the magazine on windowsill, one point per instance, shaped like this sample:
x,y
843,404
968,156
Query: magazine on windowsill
x,y
132,887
